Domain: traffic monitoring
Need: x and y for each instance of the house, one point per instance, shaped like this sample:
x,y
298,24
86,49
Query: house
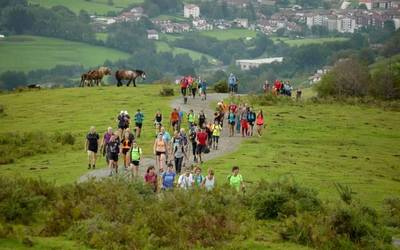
x,y
255,63
318,75
191,10
242,22
152,35
201,24
2,36
367,3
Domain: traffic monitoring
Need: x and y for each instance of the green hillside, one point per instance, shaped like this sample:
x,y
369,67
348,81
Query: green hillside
x,y
25,53
71,111
230,34
99,7
307,41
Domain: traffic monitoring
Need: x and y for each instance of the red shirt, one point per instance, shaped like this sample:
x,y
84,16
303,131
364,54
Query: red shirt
x,y
174,116
151,179
233,107
184,83
202,138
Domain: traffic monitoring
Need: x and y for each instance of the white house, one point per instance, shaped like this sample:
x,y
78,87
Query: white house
x,y
2,36
191,10
152,34
255,63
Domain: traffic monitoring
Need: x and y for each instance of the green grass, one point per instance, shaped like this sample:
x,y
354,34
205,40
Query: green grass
x,y
42,243
74,110
102,36
170,37
165,47
25,53
230,34
307,41
322,144
99,7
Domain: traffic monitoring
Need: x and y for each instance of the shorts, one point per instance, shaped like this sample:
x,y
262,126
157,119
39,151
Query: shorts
x,y
260,124
125,150
233,88
200,148
158,153
91,152
251,124
113,156
244,124
94,150
135,163
232,123
139,125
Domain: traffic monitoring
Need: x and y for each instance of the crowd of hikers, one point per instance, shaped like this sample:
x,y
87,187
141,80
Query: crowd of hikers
x,y
179,155
191,86
281,88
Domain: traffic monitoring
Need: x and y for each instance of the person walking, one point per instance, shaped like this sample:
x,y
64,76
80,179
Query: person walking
x,y
184,85
232,82
91,147
180,118
124,121
243,122
260,123
139,117
104,143
160,150
202,119
202,139
216,133
251,118
168,178
113,151
203,90
238,115
185,180
231,122
136,155
194,87
192,137
197,177
126,148
158,121
191,118
209,181
151,178
178,152
174,119
235,180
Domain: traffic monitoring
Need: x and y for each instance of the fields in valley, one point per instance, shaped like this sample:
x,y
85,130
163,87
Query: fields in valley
x,y
25,53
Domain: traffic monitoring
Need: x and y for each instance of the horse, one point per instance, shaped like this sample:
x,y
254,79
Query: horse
x,y
130,75
94,76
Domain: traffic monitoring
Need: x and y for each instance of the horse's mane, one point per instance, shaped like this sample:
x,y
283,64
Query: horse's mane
x,y
139,71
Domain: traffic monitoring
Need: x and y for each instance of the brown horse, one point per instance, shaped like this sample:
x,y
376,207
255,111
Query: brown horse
x,y
94,76
130,75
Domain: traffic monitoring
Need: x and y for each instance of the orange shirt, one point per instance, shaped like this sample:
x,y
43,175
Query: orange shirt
x,y
174,116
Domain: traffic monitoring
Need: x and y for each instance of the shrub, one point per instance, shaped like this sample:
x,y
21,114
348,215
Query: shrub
x,y
221,86
65,138
282,199
392,212
167,91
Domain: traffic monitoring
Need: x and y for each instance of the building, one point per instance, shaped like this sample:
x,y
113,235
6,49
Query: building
x,y
367,3
2,36
346,25
191,10
201,24
255,63
242,22
152,35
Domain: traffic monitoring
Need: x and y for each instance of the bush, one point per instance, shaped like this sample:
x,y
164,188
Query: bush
x,y
392,212
167,91
282,199
221,86
65,138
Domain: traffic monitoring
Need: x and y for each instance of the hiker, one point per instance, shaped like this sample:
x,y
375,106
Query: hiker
x,y
151,178
201,138
191,118
113,151
216,133
180,115
209,180
251,118
91,147
131,135
202,119
136,155
139,117
184,85
194,87
298,94
158,121
260,122
232,83
203,90
174,119
231,122
266,87
208,130
126,148
235,180
168,178
238,115
244,123
185,181
123,121
197,177
165,135
178,152
104,142
192,138
160,150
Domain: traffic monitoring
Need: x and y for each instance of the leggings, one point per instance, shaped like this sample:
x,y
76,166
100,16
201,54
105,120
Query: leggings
x,y
178,164
215,139
194,92
194,146
183,91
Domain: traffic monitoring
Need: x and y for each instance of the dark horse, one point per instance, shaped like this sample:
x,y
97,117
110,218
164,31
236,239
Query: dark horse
x,y
130,75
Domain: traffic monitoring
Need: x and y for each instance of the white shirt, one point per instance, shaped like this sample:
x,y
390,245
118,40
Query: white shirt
x,y
185,182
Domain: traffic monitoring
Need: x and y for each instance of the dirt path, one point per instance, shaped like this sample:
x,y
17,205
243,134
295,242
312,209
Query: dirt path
x,y
226,144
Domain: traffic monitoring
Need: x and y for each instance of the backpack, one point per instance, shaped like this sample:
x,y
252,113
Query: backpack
x,y
192,134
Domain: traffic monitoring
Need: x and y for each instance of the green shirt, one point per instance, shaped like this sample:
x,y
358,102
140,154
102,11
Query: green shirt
x,y
135,154
235,181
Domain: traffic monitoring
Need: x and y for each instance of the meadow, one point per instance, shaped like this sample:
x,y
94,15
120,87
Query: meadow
x,y
25,53
73,110
322,144
307,41
98,7
230,34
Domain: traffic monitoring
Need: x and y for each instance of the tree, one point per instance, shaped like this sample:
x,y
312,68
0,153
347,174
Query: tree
x,y
385,82
18,19
12,79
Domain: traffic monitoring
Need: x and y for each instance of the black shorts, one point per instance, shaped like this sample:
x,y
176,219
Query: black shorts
x,y
251,124
159,153
93,149
232,123
113,156
139,125
125,150
200,148
174,123
135,163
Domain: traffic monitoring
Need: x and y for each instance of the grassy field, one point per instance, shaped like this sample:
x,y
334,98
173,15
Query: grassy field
x,y
164,47
101,36
74,110
25,53
99,7
323,144
307,41
230,34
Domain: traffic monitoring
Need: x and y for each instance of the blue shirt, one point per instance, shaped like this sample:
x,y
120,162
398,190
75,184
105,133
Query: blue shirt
x,y
168,179
166,136
203,85
139,117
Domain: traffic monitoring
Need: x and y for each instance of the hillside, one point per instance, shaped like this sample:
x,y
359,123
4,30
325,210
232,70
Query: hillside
x,y
25,53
